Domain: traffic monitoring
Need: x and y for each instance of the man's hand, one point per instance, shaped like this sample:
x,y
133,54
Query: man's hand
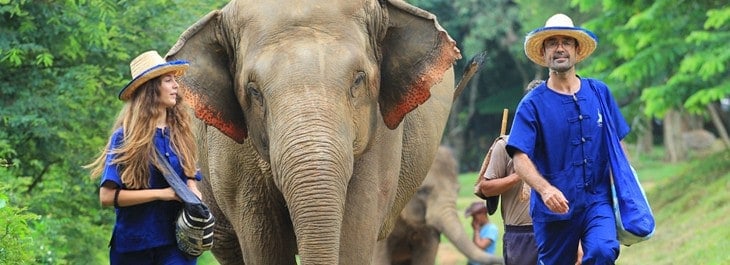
x,y
474,224
554,200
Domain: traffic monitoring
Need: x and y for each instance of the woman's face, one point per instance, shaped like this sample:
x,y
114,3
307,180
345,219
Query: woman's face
x,y
168,90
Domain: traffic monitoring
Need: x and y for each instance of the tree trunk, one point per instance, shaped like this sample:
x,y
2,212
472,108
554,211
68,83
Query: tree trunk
x,y
673,137
717,121
645,141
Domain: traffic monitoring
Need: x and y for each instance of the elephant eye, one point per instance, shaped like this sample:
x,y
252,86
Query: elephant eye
x,y
424,190
254,93
358,82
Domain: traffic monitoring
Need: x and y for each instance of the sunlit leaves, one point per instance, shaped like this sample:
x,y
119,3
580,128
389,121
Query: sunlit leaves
x,y
672,50
718,18
13,56
702,98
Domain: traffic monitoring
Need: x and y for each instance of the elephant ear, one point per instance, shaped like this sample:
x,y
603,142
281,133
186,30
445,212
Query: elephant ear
x,y
208,80
416,53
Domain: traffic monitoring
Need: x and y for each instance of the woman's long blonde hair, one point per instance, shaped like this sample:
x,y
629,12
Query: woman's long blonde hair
x,y
137,118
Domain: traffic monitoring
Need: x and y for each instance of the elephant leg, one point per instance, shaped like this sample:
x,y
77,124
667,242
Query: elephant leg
x,y
422,132
426,252
266,235
225,243
254,224
381,255
225,248
370,195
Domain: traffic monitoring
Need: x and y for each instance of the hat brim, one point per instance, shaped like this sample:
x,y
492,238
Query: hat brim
x,y
474,209
177,67
587,41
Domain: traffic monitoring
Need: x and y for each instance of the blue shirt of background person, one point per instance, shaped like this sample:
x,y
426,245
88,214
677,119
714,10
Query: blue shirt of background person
x,y
485,232
490,231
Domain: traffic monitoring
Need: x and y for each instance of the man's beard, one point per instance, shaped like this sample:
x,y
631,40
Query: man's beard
x,y
561,67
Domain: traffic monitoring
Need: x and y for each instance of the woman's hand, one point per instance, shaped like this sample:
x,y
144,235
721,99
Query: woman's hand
x,y
168,194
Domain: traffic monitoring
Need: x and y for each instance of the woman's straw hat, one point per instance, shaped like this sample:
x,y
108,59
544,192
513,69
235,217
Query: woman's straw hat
x,y
559,24
149,65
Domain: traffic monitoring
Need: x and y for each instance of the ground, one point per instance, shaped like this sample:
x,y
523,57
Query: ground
x,y
448,255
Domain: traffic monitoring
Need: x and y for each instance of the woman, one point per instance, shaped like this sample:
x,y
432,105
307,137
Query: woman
x,y
146,206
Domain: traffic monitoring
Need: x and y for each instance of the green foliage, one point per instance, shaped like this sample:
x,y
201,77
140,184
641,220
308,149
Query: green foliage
x,y
671,53
63,64
15,234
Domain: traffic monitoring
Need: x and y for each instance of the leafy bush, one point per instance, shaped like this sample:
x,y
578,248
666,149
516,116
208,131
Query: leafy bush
x,y
15,233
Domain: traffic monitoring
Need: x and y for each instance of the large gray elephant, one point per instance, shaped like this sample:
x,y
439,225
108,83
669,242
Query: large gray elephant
x,y
319,119
432,211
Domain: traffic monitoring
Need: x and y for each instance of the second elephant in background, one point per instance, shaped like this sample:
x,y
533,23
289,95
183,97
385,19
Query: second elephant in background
x,y
432,211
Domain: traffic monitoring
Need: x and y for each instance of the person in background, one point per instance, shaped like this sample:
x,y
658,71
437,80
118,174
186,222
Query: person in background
x,y
557,146
498,178
152,117
485,232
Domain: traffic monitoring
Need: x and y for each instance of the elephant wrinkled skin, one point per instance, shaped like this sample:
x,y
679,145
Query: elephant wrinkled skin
x,y
430,212
317,122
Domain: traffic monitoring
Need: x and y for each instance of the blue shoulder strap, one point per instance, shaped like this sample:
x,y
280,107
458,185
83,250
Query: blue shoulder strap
x,y
175,182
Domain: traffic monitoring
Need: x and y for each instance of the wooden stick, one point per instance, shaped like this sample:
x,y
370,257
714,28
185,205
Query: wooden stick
x,y
503,131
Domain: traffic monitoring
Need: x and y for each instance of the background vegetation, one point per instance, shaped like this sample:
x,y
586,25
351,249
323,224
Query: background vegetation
x,y
63,62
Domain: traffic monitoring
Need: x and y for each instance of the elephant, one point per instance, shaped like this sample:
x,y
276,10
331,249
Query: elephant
x,y
430,212
316,121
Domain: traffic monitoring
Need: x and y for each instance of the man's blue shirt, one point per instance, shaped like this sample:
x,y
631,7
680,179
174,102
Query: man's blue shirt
x,y
565,141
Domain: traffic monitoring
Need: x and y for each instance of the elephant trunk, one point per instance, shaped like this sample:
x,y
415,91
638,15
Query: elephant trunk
x,y
448,223
312,165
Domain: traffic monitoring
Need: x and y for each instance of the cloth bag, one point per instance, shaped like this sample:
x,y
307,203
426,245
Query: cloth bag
x,y
490,201
634,218
194,225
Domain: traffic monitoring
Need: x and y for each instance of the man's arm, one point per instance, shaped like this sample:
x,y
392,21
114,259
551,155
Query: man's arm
x,y
479,241
494,187
482,242
551,196
498,176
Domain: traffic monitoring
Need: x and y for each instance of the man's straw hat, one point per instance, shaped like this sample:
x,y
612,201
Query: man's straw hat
x,y
149,65
559,24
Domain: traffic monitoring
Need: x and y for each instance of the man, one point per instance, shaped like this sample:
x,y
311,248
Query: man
x,y
485,232
497,178
558,148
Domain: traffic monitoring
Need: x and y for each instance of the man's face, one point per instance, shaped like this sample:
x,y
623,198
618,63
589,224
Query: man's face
x,y
559,52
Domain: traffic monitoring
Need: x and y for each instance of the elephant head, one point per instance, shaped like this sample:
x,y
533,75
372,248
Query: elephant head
x,y
309,100
431,212
393,52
